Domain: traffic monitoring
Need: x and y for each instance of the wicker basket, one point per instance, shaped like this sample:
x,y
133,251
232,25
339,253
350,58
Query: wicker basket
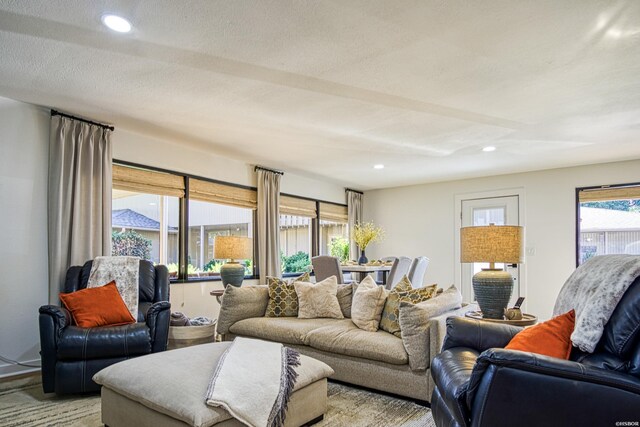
x,y
185,336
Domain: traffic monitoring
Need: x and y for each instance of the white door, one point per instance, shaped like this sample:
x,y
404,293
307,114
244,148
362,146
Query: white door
x,y
494,210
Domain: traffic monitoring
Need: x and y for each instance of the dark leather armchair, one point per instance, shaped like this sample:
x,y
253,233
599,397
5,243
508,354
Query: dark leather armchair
x,y
71,355
479,383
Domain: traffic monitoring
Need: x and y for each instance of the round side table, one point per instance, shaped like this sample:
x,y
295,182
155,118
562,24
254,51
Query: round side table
x,y
527,319
218,294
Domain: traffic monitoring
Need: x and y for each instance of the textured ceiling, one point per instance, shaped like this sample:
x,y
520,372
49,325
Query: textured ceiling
x,y
330,88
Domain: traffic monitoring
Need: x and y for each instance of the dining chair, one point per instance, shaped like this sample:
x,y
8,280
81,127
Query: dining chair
x,y
417,270
399,268
326,266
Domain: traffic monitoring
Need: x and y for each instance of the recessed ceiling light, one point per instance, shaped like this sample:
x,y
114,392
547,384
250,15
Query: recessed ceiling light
x,y
116,23
378,166
489,148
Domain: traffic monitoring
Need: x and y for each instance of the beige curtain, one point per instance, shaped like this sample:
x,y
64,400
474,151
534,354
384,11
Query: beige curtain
x,y
354,213
79,197
268,224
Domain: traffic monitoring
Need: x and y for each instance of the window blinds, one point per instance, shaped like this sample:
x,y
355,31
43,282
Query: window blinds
x,y
229,195
298,207
146,181
331,212
610,193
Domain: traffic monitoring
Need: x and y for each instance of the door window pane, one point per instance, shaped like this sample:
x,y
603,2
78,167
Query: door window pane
x,y
295,243
609,227
208,220
483,217
146,226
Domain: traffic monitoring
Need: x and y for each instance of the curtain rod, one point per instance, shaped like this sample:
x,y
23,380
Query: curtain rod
x,y
354,191
58,113
268,170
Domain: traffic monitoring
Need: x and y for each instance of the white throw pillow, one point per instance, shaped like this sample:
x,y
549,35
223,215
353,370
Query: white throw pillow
x,y
368,302
319,299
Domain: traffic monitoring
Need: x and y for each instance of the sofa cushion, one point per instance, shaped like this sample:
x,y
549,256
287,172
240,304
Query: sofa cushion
x,y
343,337
318,300
345,298
368,301
287,330
283,300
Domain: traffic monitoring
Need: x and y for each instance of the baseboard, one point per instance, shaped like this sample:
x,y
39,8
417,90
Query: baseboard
x,y
8,370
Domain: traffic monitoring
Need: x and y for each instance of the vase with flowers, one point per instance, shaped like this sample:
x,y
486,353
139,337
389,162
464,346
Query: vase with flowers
x,y
365,233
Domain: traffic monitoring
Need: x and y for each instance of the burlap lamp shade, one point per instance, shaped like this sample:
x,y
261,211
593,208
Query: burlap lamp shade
x,y
232,248
494,243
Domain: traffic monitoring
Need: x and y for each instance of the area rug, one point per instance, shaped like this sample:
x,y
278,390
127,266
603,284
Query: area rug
x,y
22,403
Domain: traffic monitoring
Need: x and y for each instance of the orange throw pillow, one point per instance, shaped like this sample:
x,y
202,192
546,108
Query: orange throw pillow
x,y
551,338
100,306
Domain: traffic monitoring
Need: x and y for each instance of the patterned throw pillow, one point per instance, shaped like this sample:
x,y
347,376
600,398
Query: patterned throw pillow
x,y
403,291
283,300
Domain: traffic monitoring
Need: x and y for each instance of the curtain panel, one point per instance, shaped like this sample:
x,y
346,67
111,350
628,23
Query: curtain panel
x,y
354,213
79,196
268,224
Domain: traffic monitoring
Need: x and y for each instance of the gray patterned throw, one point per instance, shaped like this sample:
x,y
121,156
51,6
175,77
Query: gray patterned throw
x,y
594,290
124,270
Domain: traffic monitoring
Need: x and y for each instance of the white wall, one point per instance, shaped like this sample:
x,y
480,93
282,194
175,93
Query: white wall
x,y
419,220
24,135
146,150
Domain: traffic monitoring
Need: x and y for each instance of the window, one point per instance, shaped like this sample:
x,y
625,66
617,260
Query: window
x,y
608,221
217,210
333,231
297,217
145,215
154,218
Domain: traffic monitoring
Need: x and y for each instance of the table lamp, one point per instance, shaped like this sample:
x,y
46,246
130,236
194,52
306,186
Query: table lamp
x,y
232,248
493,243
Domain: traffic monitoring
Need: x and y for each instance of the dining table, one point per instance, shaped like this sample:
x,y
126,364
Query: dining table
x,y
364,269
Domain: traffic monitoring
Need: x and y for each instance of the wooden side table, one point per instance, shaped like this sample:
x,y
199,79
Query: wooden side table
x,y
527,319
218,294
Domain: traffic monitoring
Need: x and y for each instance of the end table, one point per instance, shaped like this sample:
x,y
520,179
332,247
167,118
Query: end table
x,y
527,319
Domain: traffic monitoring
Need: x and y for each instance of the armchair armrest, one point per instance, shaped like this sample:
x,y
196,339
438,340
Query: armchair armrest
x,y
158,319
548,391
239,303
476,334
52,321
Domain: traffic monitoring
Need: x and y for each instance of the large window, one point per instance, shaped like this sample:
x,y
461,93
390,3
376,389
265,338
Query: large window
x,y
297,222
154,218
145,215
333,231
608,221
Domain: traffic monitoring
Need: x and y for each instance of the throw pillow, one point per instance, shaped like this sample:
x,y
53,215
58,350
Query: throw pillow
x,y
402,292
241,302
368,301
319,299
550,338
345,299
418,333
283,301
101,306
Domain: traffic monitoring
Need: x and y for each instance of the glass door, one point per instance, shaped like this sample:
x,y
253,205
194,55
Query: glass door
x,y
485,211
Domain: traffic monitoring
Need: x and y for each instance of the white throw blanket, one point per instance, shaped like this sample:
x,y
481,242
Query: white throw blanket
x,y
124,271
253,381
593,291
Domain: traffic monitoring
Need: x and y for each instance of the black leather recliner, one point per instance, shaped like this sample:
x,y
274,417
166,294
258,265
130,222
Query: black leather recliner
x,y
72,355
479,383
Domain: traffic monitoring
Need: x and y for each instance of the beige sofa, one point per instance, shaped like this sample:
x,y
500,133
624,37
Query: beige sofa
x,y
377,360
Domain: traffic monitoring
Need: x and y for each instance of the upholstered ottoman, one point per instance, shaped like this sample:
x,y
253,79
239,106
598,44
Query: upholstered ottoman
x,y
168,389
